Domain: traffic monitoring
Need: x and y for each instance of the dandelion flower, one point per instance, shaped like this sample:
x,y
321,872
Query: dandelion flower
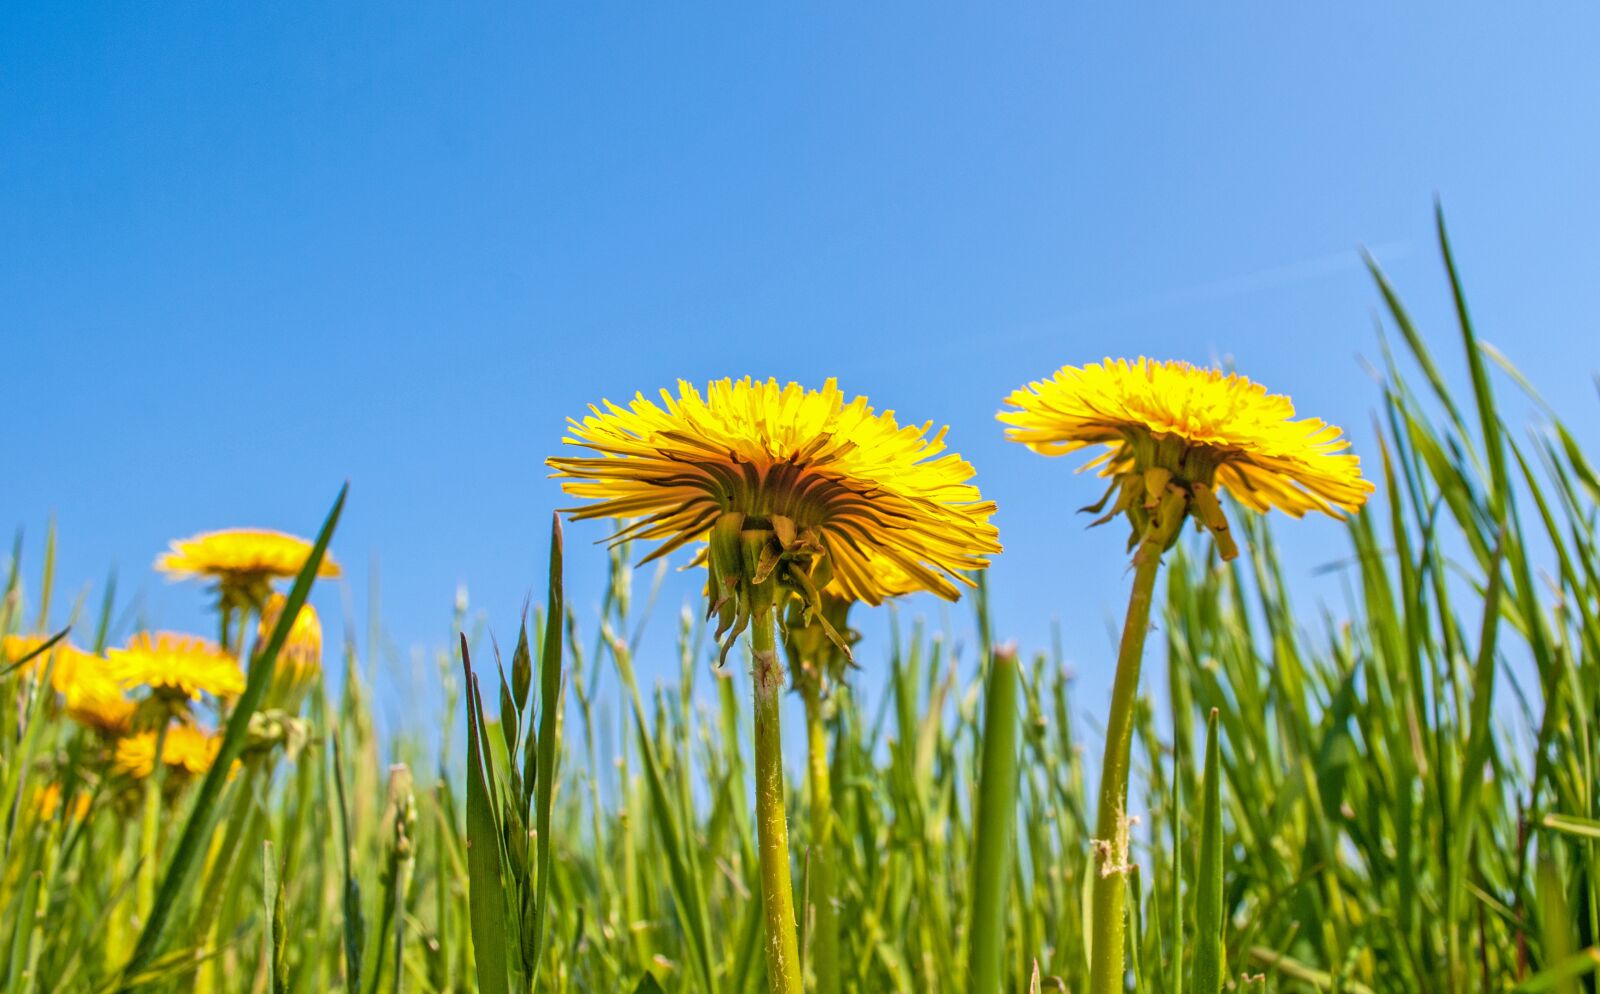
x,y
839,484
813,641
301,656
47,803
187,750
1200,430
793,490
91,693
1173,435
242,561
177,666
15,648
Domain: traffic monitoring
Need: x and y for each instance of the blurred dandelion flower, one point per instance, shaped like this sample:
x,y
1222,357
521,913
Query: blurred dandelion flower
x,y
186,749
242,561
91,694
47,803
1198,429
815,657
301,657
177,666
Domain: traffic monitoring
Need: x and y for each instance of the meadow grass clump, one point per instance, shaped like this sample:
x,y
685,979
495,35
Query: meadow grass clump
x,y
1391,793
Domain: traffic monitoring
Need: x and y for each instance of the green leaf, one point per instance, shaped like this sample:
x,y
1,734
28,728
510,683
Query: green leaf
x,y
996,822
549,712
273,949
491,939
1573,825
648,984
1480,740
355,928
1490,419
1554,978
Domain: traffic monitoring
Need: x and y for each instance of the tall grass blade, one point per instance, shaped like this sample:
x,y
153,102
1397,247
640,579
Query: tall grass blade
x,y
492,942
1484,395
549,712
1208,952
274,948
355,927
996,822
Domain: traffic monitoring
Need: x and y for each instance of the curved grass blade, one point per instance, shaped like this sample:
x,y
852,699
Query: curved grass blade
x,y
355,926
491,939
996,818
549,711
1566,972
1573,825
38,651
1208,954
273,949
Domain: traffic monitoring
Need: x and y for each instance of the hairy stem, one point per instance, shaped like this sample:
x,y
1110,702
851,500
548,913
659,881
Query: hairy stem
x,y
1108,898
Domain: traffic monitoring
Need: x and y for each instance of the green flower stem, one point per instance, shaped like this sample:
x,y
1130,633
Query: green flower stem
x,y
1108,898
772,826
823,915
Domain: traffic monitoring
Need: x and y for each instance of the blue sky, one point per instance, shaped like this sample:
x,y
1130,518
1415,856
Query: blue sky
x,y
250,251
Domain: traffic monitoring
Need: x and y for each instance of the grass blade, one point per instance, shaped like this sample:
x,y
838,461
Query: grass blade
x,y
1208,924
996,821
549,711
354,923
1573,825
273,948
492,942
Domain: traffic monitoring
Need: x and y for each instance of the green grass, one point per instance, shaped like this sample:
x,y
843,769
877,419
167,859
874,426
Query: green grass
x,y
1395,793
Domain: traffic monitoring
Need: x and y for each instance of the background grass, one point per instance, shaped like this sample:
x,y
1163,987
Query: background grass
x,y
1399,794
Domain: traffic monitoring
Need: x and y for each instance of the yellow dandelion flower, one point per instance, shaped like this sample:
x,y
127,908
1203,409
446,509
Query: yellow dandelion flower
x,y
15,648
187,750
1198,429
301,656
92,694
793,490
65,656
47,802
1173,434
177,666
241,560
84,680
850,480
